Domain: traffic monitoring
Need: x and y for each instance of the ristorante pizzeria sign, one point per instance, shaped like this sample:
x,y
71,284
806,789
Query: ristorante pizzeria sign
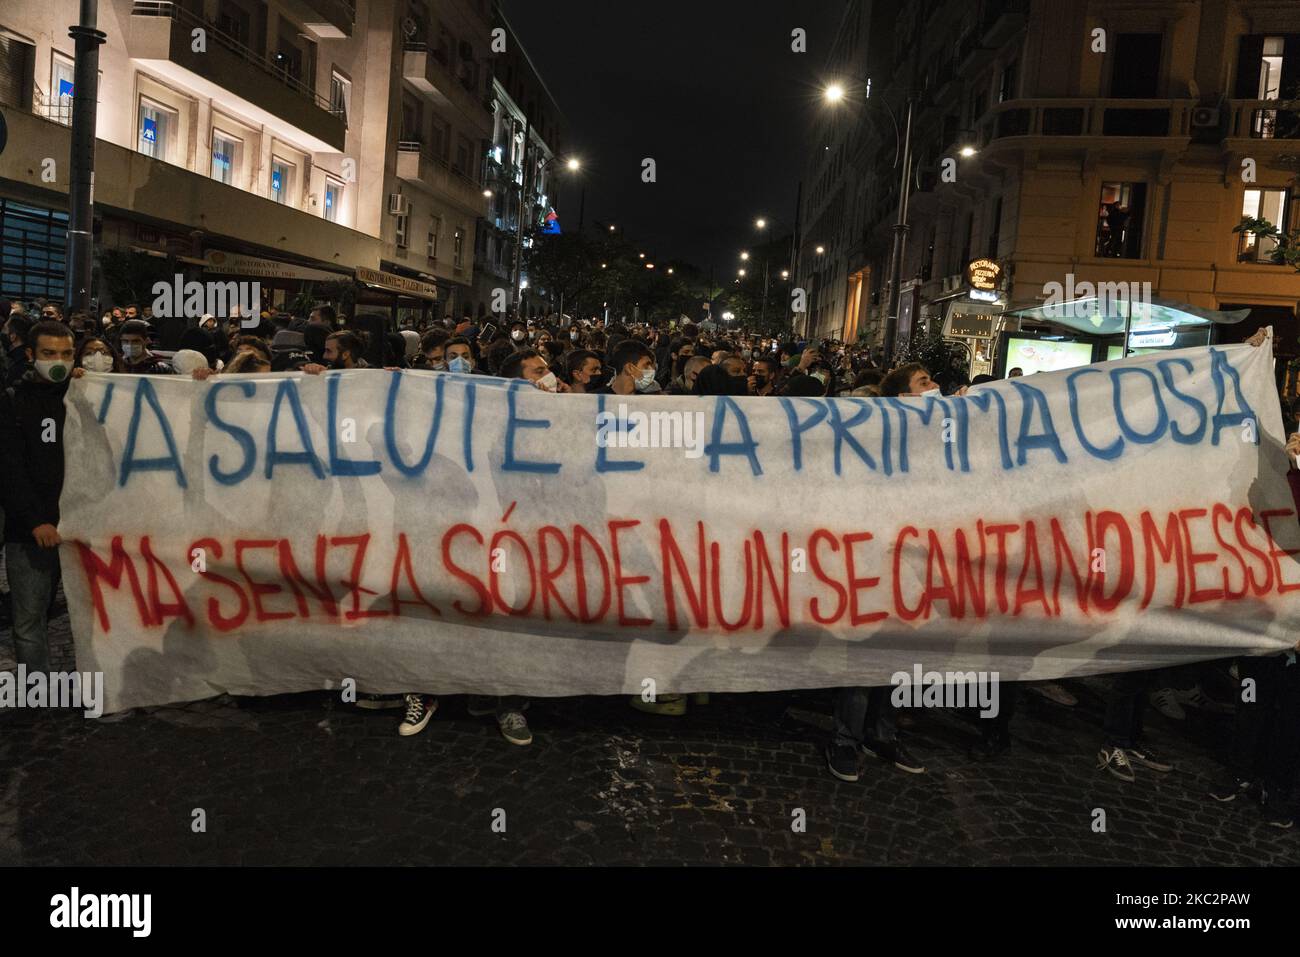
x,y
984,275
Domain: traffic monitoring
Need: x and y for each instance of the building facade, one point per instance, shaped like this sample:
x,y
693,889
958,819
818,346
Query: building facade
x,y
291,141
522,107
1092,141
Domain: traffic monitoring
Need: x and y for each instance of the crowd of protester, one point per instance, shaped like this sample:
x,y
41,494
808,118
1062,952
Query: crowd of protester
x,y
45,350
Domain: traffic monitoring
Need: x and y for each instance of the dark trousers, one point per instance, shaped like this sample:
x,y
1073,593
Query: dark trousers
x,y
1125,708
1266,736
863,714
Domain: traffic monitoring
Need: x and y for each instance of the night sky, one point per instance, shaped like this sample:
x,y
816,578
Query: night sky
x,y
709,88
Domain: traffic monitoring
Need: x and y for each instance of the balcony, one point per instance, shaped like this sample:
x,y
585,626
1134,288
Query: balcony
x,y
327,19
1264,120
426,69
428,172
229,73
1083,119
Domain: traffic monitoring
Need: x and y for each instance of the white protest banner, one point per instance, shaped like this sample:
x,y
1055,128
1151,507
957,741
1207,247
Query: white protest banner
x,y
442,533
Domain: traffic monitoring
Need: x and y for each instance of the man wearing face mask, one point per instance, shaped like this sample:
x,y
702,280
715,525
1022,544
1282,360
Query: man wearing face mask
x,y
531,366
584,368
518,334
31,479
634,368
460,355
134,345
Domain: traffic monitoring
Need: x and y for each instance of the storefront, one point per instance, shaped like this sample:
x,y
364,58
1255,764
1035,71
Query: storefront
x,y
973,314
404,298
281,283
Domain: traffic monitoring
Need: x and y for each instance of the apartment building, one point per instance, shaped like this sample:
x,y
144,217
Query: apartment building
x,y
291,141
1103,140
522,107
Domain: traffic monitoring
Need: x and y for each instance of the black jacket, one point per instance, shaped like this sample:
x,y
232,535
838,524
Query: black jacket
x,y
31,470
13,366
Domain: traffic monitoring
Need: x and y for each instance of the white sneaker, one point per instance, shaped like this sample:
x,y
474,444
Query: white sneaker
x,y
1166,702
1198,699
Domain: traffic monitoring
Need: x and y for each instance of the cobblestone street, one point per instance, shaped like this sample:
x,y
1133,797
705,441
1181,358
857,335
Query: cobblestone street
x,y
305,779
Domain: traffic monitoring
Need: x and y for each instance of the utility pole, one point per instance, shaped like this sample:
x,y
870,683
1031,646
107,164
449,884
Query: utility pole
x,y
900,239
519,221
81,181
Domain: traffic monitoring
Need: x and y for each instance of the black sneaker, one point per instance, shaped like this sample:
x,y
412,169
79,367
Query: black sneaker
x,y
419,709
893,753
1228,791
842,761
1143,755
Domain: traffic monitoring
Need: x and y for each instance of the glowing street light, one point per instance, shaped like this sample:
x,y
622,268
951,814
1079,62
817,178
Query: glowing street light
x,y
574,165
821,250
649,265
785,274
761,223
487,193
642,255
745,256
612,228
834,93
968,151
742,272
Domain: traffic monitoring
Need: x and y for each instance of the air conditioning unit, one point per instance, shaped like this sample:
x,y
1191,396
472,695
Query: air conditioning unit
x,y
1205,116
396,204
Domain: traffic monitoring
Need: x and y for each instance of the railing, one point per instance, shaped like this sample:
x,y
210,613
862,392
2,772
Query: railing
x,y
1085,117
1265,119
58,109
178,14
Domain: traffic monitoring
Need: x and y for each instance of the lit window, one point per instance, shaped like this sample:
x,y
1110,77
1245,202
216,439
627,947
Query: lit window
x,y
333,199
282,182
157,129
225,157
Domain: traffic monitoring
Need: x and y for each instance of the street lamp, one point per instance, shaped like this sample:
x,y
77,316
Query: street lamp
x,y
821,250
902,144
760,223
745,256
742,272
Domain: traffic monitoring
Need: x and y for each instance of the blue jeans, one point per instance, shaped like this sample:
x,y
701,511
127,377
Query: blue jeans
x,y
33,575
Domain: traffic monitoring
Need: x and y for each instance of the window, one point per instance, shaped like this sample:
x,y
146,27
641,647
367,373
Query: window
x,y
282,181
61,83
1119,220
340,96
412,121
1271,205
1270,69
32,251
1007,84
157,129
226,154
1135,66
458,248
435,227
403,229
463,164
233,21
995,229
333,199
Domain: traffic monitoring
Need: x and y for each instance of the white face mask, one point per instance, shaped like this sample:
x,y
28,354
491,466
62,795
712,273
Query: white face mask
x,y
132,350
645,380
548,382
517,335
97,361
52,370
459,364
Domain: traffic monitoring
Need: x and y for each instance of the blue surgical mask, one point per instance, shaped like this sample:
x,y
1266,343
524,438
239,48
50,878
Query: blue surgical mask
x,y
459,364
